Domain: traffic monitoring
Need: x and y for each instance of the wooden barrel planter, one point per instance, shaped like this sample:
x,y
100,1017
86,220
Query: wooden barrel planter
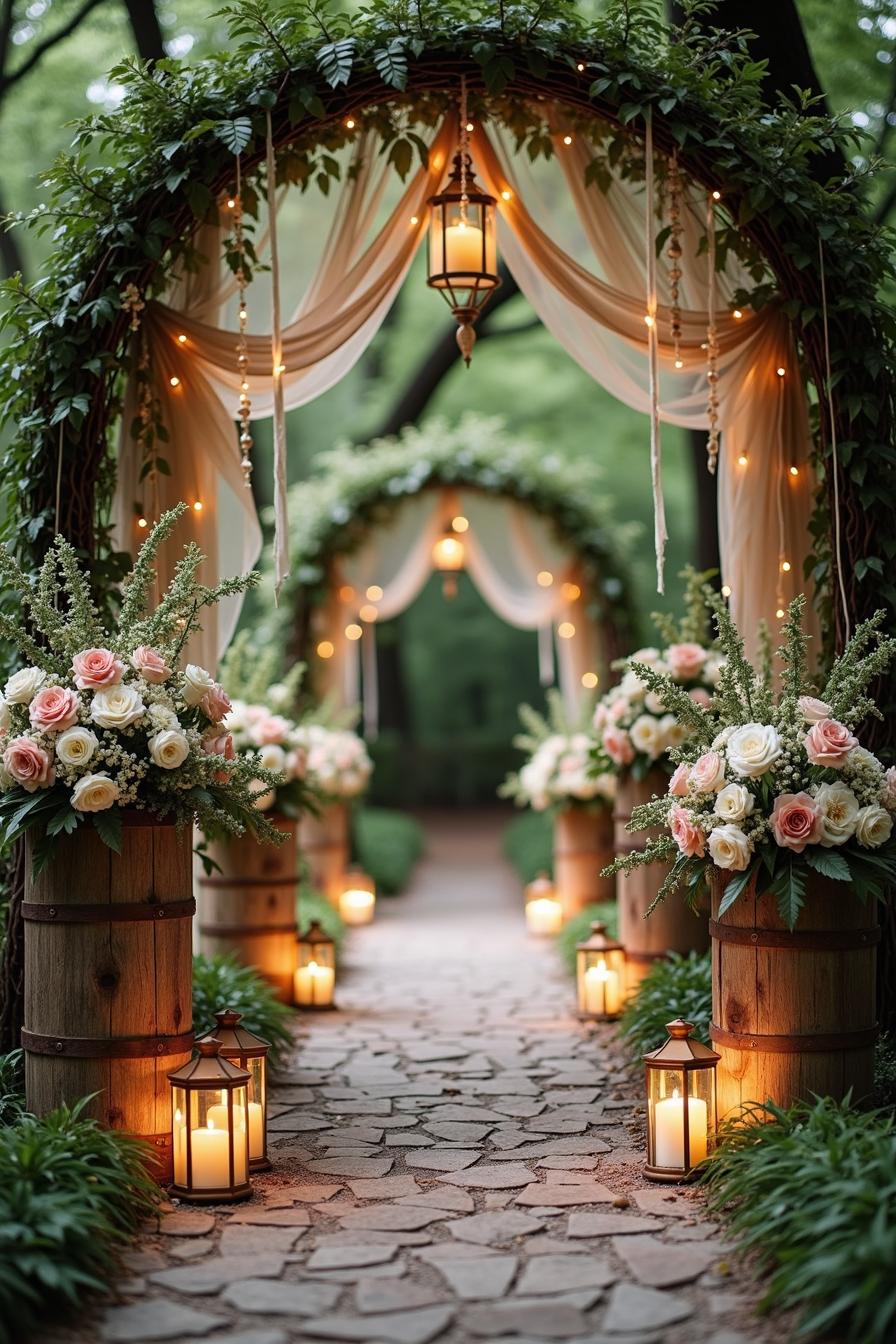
x,y
793,1013
108,977
249,907
583,845
672,927
325,847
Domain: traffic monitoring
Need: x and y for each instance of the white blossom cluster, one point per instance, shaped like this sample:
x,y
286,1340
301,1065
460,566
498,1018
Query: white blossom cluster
x,y
336,763
268,740
561,771
631,721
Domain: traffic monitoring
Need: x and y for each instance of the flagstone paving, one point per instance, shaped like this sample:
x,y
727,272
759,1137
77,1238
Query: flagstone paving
x,y
456,1159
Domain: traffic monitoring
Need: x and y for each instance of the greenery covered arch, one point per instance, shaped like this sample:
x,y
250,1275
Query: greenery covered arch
x,y
124,206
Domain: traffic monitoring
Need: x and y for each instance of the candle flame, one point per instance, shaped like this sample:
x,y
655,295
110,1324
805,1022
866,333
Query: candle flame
x,y
177,1115
313,968
210,1124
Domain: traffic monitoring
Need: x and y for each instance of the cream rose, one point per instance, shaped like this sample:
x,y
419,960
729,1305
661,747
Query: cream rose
x,y
647,736
888,788
94,793
673,733
708,772
196,683
168,749
874,825
729,847
812,710
753,749
116,707
4,714
76,746
24,685
838,808
734,802
272,758
653,702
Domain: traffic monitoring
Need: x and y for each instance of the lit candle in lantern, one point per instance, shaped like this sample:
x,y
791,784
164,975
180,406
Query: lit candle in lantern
x,y
603,997
180,1147
356,907
669,1130
463,248
211,1159
217,1116
544,915
314,985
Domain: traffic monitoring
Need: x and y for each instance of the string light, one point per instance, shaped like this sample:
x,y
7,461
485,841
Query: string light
x,y
279,368
794,471
742,460
785,566
712,344
468,126
780,613
544,578
589,680
197,506
726,590
415,219
571,591
737,313
780,371
353,631
174,381
648,320
142,522
717,195
506,195
368,612
673,252
230,203
580,66
374,592
567,139
679,363
182,340
346,593
460,523
349,123
242,345
325,649
566,629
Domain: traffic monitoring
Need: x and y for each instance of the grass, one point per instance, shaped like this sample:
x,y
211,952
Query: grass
x,y
885,1071
811,1193
528,844
577,929
387,845
677,987
220,982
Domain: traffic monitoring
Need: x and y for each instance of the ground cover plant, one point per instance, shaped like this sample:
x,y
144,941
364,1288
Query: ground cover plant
x,y
220,982
387,845
674,987
528,844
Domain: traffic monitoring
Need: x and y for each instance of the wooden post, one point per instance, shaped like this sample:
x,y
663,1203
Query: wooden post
x,y
672,927
108,977
249,907
324,844
793,1013
583,845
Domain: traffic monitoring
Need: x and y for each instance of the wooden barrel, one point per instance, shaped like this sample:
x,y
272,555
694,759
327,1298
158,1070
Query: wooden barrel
x,y
249,907
793,1013
583,845
672,927
108,977
324,844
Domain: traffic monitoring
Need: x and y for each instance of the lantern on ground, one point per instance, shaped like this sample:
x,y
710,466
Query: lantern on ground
x,y
208,1128
463,251
600,975
544,910
315,977
681,1104
448,556
357,899
240,1046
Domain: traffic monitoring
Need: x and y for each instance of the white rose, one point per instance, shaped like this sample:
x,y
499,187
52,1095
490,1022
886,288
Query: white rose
x,y
161,717
116,706
168,749
647,736
631,686
839,808
76,746
874,826
606,786
712,669
753,749
729,847
673,733
721,739
272,758
653,702
24,685
279,696
94,793
648,655
4,714
734,802
196,682
860,758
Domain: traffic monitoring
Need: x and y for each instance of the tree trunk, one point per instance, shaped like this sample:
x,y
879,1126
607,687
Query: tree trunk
x,y
144,23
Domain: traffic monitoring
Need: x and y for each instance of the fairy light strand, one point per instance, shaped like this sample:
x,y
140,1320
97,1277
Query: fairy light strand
x,y
674,252
712,345
242,347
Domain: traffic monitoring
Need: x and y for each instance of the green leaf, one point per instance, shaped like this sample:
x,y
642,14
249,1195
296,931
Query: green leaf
x,y
392,63
829,863
735,887
335,60
66,819
789,887
108,827
235,133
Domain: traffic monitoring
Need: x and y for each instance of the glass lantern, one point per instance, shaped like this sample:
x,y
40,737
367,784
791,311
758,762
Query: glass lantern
x,y
544,910
600,976
242,1047
448,556
681,1104
357,899
208,1128
463,249
315,977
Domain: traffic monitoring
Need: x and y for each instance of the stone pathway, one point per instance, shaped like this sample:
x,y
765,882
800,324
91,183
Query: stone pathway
x,y
456,1159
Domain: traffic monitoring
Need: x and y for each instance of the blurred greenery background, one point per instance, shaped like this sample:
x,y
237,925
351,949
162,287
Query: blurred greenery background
x,y
454,673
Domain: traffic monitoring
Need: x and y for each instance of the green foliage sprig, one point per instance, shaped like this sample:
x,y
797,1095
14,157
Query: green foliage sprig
x,y
677,986
221,982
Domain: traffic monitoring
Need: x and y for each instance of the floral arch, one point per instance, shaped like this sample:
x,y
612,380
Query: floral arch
x,y
130,229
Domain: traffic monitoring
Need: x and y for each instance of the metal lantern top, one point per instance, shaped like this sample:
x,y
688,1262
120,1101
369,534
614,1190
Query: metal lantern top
x,y
680,1051
598,942
316,936
541,888
357,880
234,1039
209,1070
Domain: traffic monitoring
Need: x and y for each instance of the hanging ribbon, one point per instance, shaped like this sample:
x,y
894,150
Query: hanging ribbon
x,y
660,535
835,464
546,674
281,522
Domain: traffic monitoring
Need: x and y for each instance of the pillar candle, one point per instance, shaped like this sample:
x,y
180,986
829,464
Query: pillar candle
x,y
217,1115
356,907
314,985
463,248
602,995
669,1131
211,1159
544,915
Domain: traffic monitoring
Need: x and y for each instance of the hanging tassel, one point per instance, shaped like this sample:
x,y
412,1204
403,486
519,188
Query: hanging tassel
x,y
660,535
546,674
281,521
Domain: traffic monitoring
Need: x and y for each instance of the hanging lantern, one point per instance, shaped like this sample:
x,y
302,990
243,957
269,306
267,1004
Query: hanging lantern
x,y
463,250
239,1046
357,899
315,977
544,911
681,1104
600,975
448,556
208,1128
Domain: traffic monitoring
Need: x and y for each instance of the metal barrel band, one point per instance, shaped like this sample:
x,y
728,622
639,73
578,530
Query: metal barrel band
x,y
98,1047
803,940
245,930
260,881
820,1043
126,912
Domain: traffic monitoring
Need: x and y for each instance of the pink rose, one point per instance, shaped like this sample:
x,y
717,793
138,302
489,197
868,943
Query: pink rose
x,y
215,704
688,837
618,745
619,709
96,668
678,784
708,772
685,660
796,821
890,788
216,743
270,730
28,764
813,710
701,697
601,716
829,742
150,664
54,708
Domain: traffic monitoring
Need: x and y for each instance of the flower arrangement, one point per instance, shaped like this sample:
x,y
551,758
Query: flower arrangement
x,y
772,781
337,766
99,721
634,723
566,765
